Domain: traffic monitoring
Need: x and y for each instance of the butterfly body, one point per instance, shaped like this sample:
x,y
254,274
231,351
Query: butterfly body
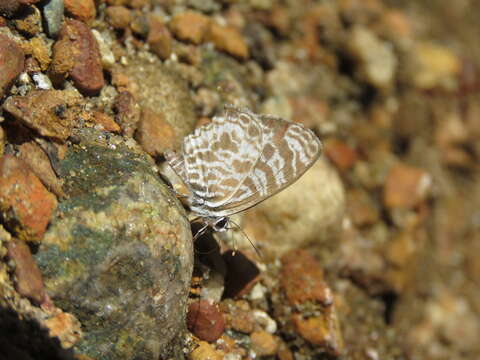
x,y
240,159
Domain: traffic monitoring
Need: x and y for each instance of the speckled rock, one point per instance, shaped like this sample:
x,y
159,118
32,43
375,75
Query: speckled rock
x,y
26,204
120,255
308,211
11,63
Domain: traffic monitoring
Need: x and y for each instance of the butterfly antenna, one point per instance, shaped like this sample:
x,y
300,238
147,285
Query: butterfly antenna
x,y
257,250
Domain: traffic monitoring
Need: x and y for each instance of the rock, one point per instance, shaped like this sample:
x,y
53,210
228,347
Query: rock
x,y
241,317
154,134
108,59
119,17
362,208
51,113
120,257
263,343
34,156
76,54
9,7
190,26
127,112
228,39
377,61
29,22
29,280
342,155
53,15
83,10
65,327
159,38
302,279
26,205
205,320
12,62
308,211
406,186
40,51
105,122
205,351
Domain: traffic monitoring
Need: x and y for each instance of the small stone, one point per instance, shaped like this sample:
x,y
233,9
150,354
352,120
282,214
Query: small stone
x,y
205,321
29,282
77,55
140,25
342,155
53,14
66,327
27,206
40,51
205,351
83,10
106,122
30,21
377,61
241,318
309,111
190,26
263,343
108,59
11,63
323,331
228,39
127,112
34,156
159,38
9,7
302,279
51,113
406,186
362,208
119,17
154,134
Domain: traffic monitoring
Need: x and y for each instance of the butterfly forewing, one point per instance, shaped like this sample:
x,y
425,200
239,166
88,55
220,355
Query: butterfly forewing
x,y
288,150
219,156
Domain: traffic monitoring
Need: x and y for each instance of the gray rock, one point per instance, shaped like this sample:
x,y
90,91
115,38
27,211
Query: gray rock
x,y
53,14
119,255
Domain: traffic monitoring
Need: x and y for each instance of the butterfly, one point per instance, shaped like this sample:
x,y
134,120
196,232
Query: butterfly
x,y
240,159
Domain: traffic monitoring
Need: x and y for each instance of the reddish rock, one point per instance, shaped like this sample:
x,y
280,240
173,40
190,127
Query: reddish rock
x,y
127,112
105,121
406,186
77,55
263,343
119,17
159,38
83,10
190,26
65,327
26,205
342,155
11,63
29,282
302,279
51,113
154,134
205,321
228,39
34,156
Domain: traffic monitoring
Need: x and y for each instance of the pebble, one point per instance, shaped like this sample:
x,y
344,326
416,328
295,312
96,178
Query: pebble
x,y
127,112
53,15
362,208
40,52
51,113
190,26
119,17
262,318
105,121
342,155
263,343
29,282
108,59
406,186
9,7
241,318
83,10
302,279
76,54
154,134
205,320
205,351
159,38
228,39
26,204
12,61
29,22
377,61
65,327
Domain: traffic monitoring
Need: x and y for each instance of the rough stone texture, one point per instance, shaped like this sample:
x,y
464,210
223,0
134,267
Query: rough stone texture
x,y
11,63
76,54
120,256
83,10
51,113
26,204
